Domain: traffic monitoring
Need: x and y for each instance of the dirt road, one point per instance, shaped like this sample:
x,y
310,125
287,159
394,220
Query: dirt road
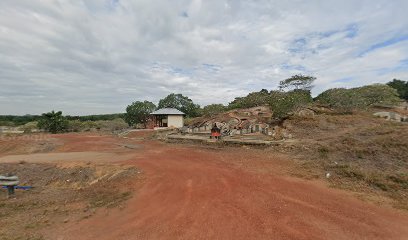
x,y
197,193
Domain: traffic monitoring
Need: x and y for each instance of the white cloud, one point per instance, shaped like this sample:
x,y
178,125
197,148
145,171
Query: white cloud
x,y
86,57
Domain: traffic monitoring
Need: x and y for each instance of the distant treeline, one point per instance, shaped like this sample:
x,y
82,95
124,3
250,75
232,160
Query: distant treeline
x,y
293,93
12,120
97,117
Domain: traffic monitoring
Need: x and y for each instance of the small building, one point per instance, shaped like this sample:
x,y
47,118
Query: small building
x,y
167,117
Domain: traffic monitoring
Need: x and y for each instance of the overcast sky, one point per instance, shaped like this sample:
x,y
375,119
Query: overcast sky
x,y
98,56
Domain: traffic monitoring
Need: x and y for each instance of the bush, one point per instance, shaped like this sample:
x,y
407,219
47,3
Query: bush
x,y
377,94
88,125
7,123
74,126
347,100
401,87
29,127
114,125
338,98
285,103
53,122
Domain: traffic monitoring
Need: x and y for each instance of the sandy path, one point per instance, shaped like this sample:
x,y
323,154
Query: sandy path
x,y
192,194
99,157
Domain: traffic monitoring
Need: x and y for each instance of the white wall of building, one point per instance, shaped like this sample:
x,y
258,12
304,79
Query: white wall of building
x,y
176,121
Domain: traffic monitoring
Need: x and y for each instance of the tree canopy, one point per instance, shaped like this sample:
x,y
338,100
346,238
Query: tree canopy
x,y
212,109
297,82
11,120
253,99
401,87
180,102
138,112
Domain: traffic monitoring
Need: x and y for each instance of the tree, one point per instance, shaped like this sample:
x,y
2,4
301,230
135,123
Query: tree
x,y
212,109
253,99
53,122
401,87
138,112
284,103
180,102
297,82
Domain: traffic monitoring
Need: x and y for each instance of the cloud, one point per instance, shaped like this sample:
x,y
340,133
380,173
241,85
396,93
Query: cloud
x,y
385,44
93,56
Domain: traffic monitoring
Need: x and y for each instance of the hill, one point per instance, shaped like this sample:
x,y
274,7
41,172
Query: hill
x,y
358,152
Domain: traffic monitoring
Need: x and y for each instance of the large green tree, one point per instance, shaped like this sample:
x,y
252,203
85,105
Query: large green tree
x,y
253,99
180,102
138,112
212,109
53,122
401,87
297,82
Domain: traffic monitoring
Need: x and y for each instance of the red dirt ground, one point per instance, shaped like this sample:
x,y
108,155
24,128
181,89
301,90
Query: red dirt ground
x,y
194,192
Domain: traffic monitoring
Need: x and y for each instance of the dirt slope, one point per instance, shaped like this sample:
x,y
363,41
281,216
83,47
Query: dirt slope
x,y
193,193
363,153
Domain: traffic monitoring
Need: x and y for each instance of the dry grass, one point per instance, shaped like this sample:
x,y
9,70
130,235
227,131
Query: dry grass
x,y
362,153
60,195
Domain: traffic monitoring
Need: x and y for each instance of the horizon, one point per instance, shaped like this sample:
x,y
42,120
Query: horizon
x,y
124,111
96,57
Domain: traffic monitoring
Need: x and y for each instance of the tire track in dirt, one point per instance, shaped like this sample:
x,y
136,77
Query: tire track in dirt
x,y
192,194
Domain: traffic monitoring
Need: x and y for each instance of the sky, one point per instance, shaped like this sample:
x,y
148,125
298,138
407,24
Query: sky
x,y
98,56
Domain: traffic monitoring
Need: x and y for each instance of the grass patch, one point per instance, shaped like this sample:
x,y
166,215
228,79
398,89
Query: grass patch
x,y
348,172
108,199
401,180
59,194
362,153
323,151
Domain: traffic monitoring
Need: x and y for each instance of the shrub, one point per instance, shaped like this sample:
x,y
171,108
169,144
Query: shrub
x,y
338,98
7,123
285,103
323,151
29,127
88,125
113,125
347,100
74,126
53,122
401,87
349,172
